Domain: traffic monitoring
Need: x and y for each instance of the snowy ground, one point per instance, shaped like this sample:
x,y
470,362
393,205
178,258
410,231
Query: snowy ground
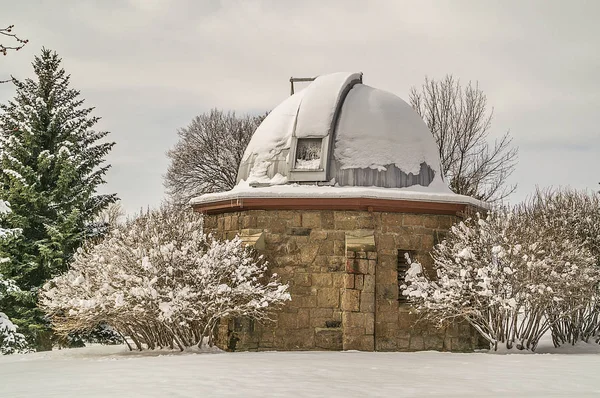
x,y
114,372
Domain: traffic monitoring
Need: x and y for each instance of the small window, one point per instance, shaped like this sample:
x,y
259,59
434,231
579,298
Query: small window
x,y
405,257
308,154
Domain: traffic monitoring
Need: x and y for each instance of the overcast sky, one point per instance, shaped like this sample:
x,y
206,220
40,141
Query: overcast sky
x,y
150,66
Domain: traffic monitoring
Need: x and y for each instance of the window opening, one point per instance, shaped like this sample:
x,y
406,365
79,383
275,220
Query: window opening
x,y
405,258
308,154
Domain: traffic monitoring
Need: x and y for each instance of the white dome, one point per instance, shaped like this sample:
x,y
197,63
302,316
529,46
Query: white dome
x,y
340,131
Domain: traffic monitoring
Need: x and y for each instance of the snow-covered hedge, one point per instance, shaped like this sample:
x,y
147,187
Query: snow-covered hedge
x,y
509,274
577,214
160,281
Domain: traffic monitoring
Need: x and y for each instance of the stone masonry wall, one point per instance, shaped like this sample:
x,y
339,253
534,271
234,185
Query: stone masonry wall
x,y
341,299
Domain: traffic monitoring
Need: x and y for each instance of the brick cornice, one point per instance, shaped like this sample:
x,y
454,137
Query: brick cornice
x,y
355,204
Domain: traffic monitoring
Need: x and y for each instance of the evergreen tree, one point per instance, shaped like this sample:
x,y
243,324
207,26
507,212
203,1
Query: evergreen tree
x,y
51,165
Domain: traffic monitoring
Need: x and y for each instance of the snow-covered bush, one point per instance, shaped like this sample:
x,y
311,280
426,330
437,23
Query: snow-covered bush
x,y
577,214
158,280
502,273
11,341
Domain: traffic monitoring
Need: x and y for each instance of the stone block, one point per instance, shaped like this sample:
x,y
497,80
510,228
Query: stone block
x,y
328,339
386,344
358,282
292,217
322,280
372,255
352,338
365,222
317,235
391,219
354,320
328,297
303,318
338,280
386,242
363,266
308,253
302,279
369,323
417,343
388,262
287,321
273,238
339,248
335,263
360,240
386,330
350,300
326,248
426,242
433,342
388,292
388,316
337,316
403,344
386,276
446,222
413,220
367,343
361,255
345,225
349,281
369,283
304,301
311,220
327,221
321,313
352,266
301,339
248,222
431,221
372,265
367,302
448,343
336,235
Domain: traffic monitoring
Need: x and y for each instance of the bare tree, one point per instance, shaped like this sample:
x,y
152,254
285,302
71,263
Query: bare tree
x,y
18,43
207,157
112,215
459,120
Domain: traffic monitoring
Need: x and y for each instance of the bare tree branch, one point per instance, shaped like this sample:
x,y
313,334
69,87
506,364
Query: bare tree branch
x,y
20,43
207,157
460,122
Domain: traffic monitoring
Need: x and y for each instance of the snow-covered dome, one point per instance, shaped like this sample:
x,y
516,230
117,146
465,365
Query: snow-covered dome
x,y
341,132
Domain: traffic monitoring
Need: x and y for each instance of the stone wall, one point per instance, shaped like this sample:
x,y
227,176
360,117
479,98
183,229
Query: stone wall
x,y
344,289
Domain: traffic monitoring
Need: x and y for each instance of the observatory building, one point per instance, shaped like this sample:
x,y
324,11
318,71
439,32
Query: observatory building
x,y
338,184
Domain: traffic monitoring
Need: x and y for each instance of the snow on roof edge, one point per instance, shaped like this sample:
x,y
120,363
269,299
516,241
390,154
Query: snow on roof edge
x,y
314,191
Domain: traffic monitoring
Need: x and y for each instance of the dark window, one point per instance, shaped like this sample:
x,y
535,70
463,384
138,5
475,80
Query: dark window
x,y
405,257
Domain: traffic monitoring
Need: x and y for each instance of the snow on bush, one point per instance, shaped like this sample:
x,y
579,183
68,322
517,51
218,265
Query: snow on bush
x,y
11,341
506,274
160,281
577,213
